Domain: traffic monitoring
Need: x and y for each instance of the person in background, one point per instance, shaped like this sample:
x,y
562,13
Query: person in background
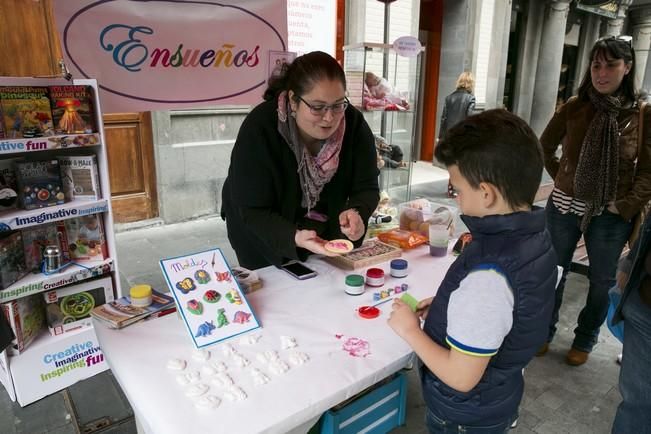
x,y
458,105
598,186
492,310
303,169
634,279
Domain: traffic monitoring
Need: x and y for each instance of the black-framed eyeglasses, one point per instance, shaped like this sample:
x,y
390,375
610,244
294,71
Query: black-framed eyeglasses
x,y
321,109
623,38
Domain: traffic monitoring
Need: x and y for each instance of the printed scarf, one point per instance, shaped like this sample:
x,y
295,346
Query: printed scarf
x,y
314,171
595,179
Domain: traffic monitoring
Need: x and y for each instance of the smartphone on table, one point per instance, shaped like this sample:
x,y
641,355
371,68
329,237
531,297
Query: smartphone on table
x,y
298,270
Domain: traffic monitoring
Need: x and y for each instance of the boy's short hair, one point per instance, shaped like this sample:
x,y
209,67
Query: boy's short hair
x,y
497,147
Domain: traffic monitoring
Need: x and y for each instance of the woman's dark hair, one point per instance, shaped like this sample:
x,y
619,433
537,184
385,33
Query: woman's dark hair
x,y
612,47
301,75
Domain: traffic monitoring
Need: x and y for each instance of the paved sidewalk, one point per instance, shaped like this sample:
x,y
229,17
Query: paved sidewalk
x,y
558,398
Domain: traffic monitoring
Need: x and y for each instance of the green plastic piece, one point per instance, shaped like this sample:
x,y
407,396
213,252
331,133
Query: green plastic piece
x,y
409,301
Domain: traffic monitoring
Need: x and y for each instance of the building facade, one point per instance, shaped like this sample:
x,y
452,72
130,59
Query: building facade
x,y
528,56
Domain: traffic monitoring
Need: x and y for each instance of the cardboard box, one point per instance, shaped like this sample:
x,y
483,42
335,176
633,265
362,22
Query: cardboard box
x,y
26,317
84,238
69,308
39,183
12,258
53,363
80,177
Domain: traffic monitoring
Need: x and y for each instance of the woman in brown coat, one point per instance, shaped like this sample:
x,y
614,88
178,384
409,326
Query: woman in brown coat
x,y
598,187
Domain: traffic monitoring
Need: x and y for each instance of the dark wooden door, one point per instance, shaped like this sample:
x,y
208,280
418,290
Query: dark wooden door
x,y
131,166
29,46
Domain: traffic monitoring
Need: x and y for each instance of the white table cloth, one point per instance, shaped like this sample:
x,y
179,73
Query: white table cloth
x,y
313,311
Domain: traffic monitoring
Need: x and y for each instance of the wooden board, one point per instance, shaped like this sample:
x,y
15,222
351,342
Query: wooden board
x,y
371,252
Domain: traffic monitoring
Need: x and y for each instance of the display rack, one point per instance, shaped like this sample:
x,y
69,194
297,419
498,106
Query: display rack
x,y
34,373
395,120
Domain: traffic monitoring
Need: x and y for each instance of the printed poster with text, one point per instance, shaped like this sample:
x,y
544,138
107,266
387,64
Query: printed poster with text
x,y
209,298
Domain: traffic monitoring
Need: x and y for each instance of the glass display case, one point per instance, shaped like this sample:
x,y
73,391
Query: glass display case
x,y
383,84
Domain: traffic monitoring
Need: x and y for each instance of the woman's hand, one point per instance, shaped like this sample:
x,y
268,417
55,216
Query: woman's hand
x,y
422,308
309,240
351,224
612,208
402,320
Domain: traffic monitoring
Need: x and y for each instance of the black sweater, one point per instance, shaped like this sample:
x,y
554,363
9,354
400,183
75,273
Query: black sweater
x,y
261,198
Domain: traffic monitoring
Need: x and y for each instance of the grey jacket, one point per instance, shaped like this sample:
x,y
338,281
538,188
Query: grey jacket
x,y
458,105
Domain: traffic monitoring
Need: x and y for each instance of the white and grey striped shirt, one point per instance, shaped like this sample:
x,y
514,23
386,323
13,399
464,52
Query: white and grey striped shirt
x,y
567,204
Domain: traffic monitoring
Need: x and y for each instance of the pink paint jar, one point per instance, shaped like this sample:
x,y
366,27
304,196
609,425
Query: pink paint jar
x,y
375,277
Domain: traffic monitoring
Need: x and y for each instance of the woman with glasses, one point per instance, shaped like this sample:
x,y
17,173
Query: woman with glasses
x,y
598,186
303,169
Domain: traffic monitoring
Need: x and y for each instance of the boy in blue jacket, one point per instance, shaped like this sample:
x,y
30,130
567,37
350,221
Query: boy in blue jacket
x,y
493,308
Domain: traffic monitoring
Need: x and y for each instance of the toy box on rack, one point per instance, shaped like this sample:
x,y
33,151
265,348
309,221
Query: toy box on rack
x,y
418,214
378,409
25,111
12,258
84,238
72,109
35,240
69,308
39,184
8,188
26,317
80,177
52,364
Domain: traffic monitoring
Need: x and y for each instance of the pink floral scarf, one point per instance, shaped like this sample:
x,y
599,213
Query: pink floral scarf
x,y
314,171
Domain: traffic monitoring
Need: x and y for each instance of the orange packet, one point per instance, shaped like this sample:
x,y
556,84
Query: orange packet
x,y
402,238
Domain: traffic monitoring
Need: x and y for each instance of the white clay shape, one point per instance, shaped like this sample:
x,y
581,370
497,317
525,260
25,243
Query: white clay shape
x,y
278,367
241,361
196,390
188,377
268,356
228,350
235,394
201,355
220,366
287,342
222,379
298,358
176,364
259,377
208,370
208,402
249,340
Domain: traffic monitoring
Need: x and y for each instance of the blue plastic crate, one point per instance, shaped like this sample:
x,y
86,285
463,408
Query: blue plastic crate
x,y
378,410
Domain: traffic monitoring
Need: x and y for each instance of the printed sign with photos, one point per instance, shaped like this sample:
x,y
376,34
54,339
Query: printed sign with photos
x,y
209,298
277,60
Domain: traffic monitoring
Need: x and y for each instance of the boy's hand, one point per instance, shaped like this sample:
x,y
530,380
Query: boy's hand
x,y
422,309
402,320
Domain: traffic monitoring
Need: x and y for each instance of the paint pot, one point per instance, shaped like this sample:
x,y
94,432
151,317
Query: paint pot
x,y
375,277
52,259
399,268
354,284
141,295
368,312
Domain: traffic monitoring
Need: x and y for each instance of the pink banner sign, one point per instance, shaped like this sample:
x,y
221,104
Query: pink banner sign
x,y
172,54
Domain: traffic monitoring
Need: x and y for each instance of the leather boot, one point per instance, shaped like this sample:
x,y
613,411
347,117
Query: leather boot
x,y
576,357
